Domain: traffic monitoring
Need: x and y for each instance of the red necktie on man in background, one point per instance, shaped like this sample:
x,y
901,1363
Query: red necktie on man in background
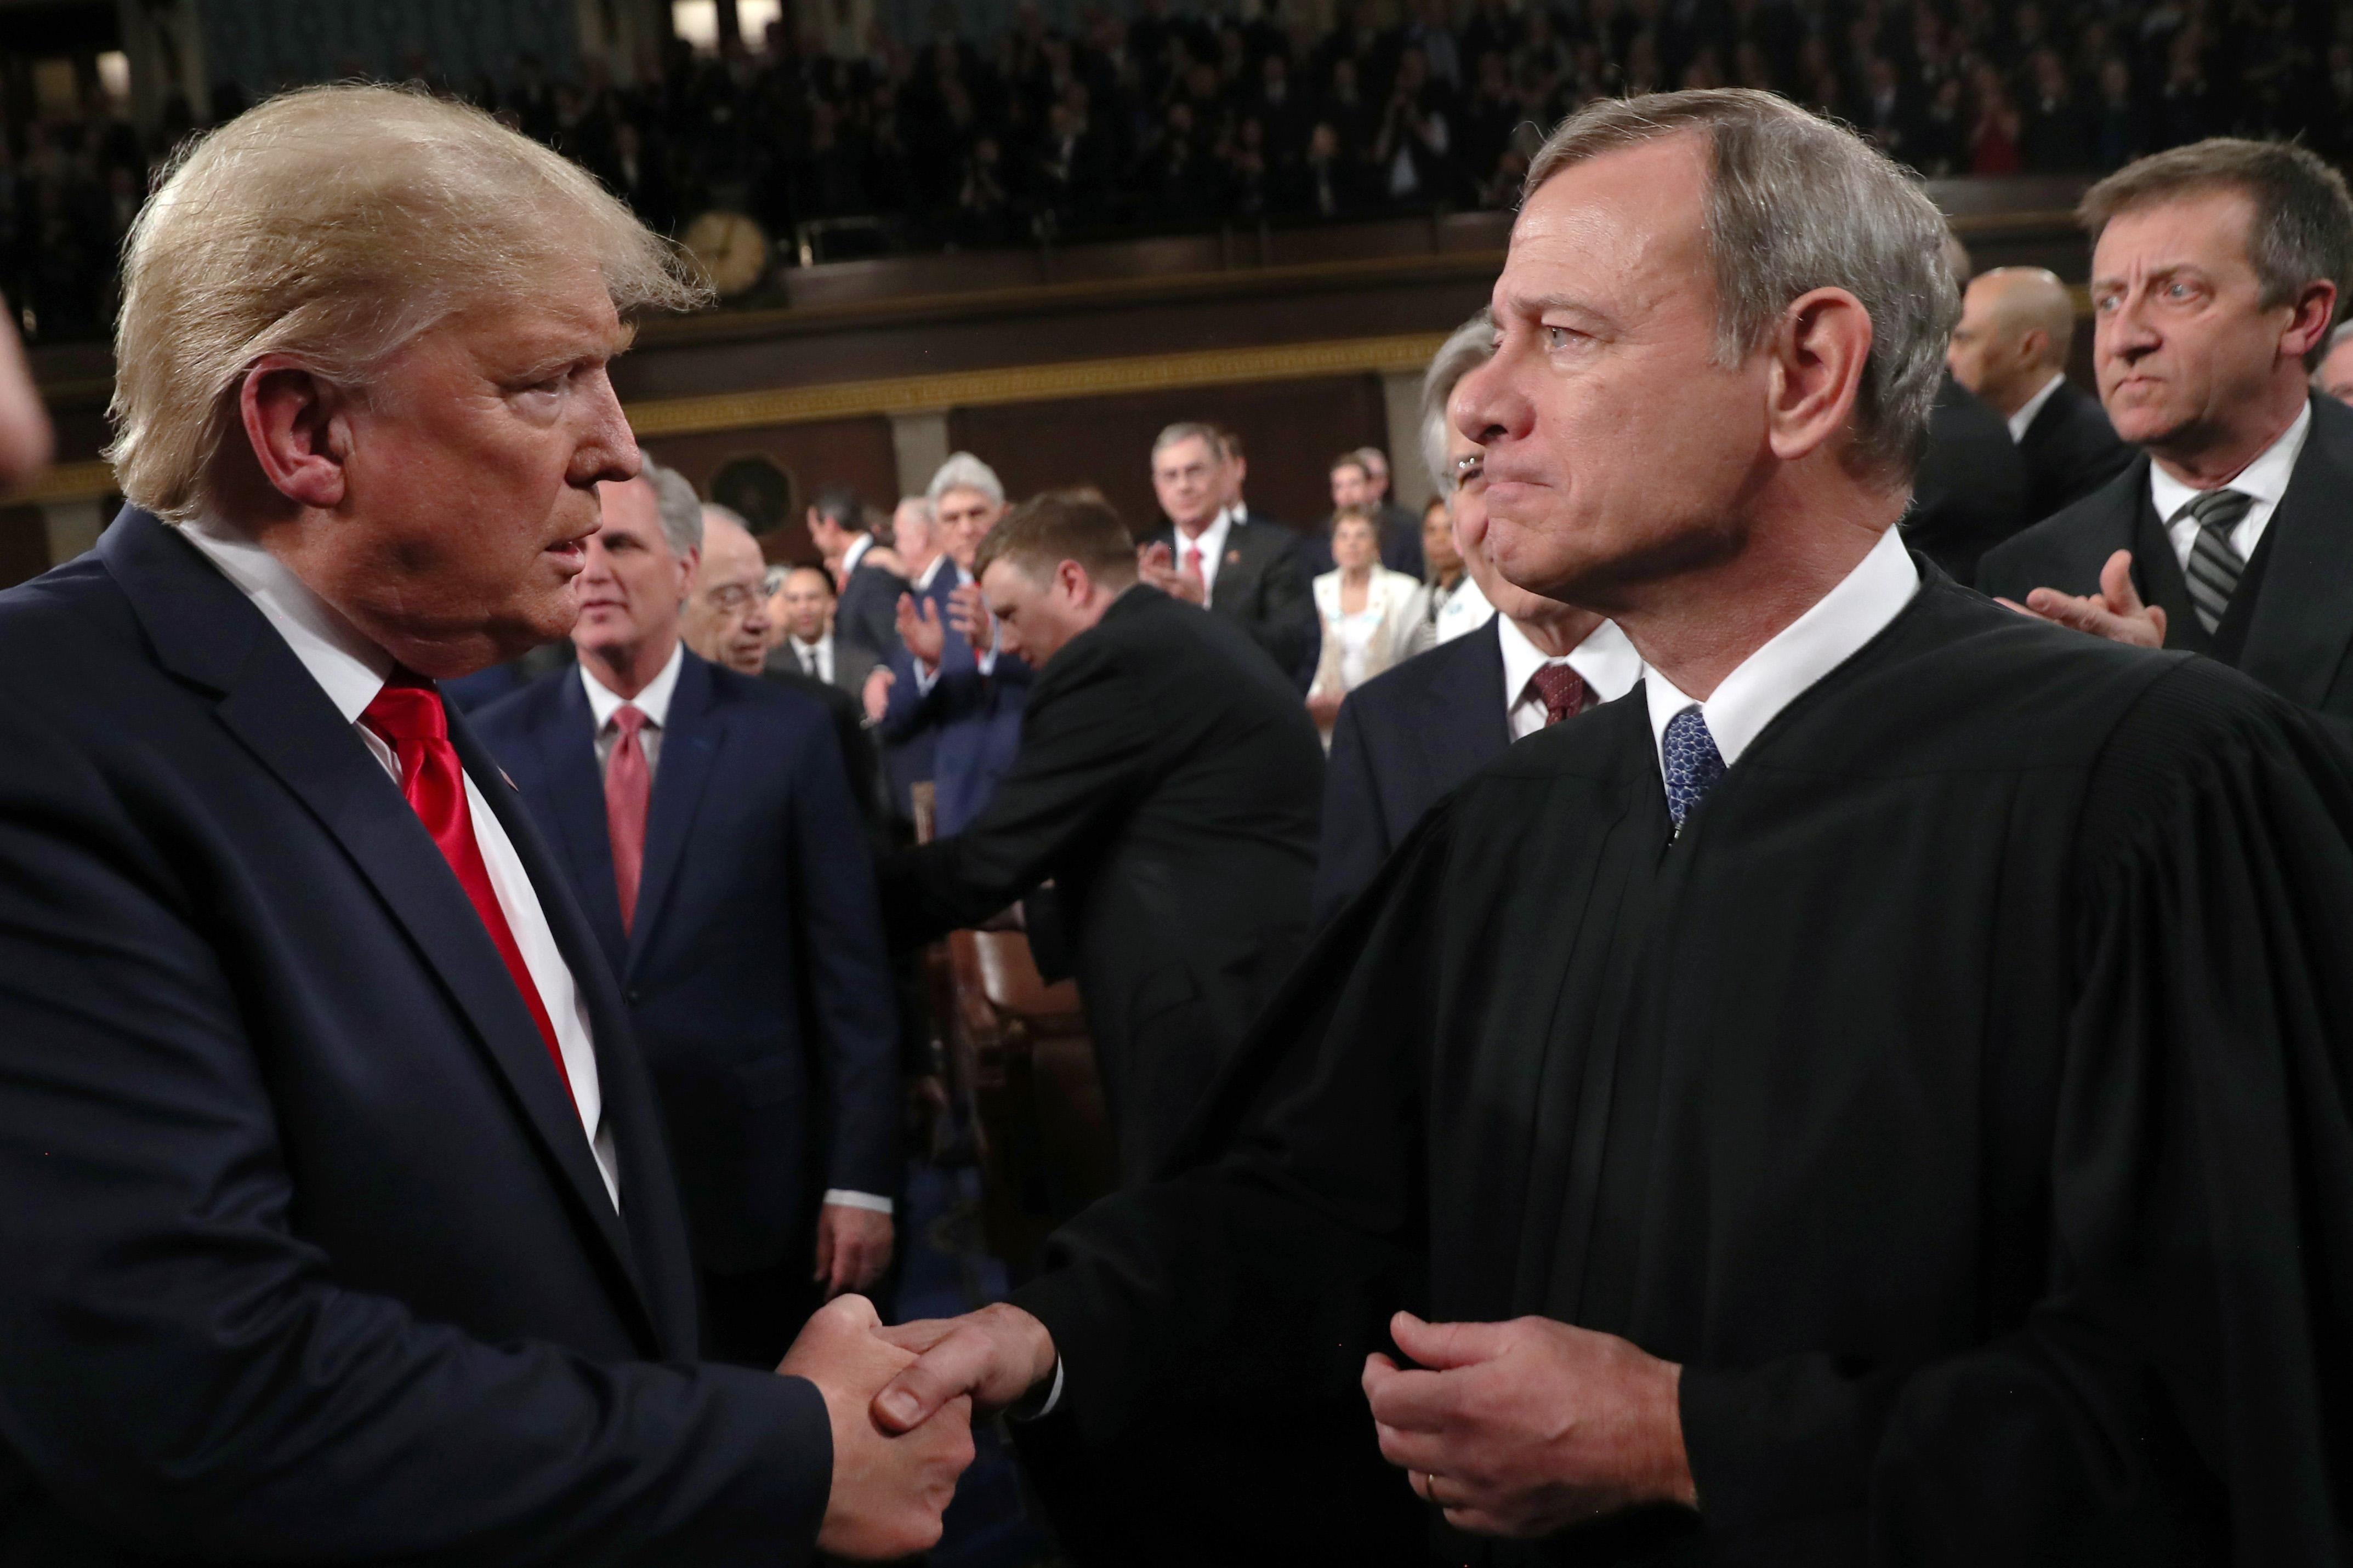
x,y
1563,691
629,788
408,714
1191,567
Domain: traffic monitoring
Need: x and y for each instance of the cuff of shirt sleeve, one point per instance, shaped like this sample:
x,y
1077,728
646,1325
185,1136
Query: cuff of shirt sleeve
x,y
1024,1412
844,1198
926,677
988,662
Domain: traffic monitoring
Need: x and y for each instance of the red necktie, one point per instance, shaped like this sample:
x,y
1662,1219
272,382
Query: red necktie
x,y
1563,692
407,713
628,786
1191,567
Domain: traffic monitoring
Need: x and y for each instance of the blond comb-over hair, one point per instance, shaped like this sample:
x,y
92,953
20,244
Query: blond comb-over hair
x,y
334,224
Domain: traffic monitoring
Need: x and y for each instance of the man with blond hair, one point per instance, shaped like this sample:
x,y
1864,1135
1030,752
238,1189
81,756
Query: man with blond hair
x,y
339,1222
2011,347
1872,1096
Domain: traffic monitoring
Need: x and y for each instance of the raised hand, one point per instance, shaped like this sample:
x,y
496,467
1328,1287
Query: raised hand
x,y
1157,565
1524,1427
889,1492
853,1246
2115,612
877,695
993,1357
919,631
969,613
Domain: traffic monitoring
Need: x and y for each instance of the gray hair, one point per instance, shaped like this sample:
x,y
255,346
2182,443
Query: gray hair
x,y
2302,229
1190,430
1470,345
1795,203
682,508
962,472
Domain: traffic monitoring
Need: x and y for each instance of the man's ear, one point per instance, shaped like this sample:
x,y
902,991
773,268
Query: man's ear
x,y
299,426
1818,352
2315,308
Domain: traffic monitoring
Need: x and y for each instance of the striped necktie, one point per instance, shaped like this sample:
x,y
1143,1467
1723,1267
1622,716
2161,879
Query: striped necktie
x,y
2215,564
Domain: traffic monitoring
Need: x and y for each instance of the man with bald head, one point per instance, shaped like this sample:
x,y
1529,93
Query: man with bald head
x,y
2010,349
1869,1096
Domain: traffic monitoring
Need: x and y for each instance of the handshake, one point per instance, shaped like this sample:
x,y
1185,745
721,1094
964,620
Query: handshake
x,y
900,1402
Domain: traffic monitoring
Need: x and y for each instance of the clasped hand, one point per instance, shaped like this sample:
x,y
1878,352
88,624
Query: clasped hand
x,y
1526,1427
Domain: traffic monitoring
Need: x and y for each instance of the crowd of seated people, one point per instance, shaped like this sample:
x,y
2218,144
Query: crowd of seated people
x,y
1167,118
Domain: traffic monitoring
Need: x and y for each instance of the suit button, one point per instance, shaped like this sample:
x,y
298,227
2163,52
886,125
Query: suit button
x,y
635,996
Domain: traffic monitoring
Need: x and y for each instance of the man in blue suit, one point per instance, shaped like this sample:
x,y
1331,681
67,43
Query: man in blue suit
x,y
336,1218
963,707
705,820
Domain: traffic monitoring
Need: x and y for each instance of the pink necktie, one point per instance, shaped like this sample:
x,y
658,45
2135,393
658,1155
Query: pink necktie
x,y
628,786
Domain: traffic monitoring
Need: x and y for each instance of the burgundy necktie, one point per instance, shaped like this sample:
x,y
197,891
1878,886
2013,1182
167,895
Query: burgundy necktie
x,y
1191,567
1564,692
628,786
407,713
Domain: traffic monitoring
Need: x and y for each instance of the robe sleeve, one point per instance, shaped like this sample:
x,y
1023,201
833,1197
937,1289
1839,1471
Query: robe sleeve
x,y
2183,1389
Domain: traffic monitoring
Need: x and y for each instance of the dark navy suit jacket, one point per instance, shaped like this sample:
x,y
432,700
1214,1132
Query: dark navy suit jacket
x,y
755,972
1404,740
968,726
303,1255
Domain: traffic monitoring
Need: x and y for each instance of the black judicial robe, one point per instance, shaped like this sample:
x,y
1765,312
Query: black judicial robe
x,y
1962,1099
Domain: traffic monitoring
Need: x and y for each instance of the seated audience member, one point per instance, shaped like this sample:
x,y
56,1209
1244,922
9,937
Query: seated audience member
x,y
1249,572
2334,376
811,643
1874,1098
726,614
2216,271
1373,618
1167,781
869,590
2017,326
341,1223
705,820
1405,739
951,688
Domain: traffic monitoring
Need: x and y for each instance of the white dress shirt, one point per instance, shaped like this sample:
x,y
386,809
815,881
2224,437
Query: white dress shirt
x,y
1465,610
1212,546
1800,654
654,703
2264,481
351,670
855,553
923,581
2031,407
821,651
1605,661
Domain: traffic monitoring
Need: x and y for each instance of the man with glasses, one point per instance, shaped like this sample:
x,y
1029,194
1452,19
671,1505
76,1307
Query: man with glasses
x,y
706,819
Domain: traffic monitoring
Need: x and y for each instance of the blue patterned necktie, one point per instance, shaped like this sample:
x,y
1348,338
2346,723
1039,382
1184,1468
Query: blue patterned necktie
x,y
1691,764
2215,564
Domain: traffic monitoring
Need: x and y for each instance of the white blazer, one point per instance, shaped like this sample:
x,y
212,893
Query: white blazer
x,y
1402,632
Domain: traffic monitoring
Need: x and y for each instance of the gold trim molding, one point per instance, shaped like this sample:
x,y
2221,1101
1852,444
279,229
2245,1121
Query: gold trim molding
x,y
65,482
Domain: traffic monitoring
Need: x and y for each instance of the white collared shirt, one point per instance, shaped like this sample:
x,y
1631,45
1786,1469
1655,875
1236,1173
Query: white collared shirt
x,y
1465,610
653,702
1800,654
2032,406
923,581
855,553
351,670
2264,481
820,650
1605,661
1212,546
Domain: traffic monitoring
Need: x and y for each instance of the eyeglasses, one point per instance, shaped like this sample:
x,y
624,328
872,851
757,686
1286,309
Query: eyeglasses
x,y
733,598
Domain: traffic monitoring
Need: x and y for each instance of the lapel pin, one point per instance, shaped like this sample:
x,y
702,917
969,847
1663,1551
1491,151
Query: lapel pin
x,y
1233,557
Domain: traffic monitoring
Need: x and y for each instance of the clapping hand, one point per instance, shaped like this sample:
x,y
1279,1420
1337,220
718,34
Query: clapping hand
x,y
888,1491
1157,563
877,695
1523,1429
920,630
2115,612
968,613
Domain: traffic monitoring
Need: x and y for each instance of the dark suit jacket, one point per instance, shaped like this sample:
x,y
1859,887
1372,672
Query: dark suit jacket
x,y
968,726
2292,617
2070,451
861,757
307,1257
1169,782
754,971
1970,491
1262,588
1403,740
867,613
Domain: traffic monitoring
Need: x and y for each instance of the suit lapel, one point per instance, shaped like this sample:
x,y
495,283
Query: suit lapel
x,y
573,787
205,630
692,737
1467,713
2302,611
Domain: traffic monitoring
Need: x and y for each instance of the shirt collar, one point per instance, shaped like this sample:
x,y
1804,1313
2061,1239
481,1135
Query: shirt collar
x,y
349,667
855,553
653,701
1800,654
1605,660
1212,542
2032,406
2264,481
922,583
